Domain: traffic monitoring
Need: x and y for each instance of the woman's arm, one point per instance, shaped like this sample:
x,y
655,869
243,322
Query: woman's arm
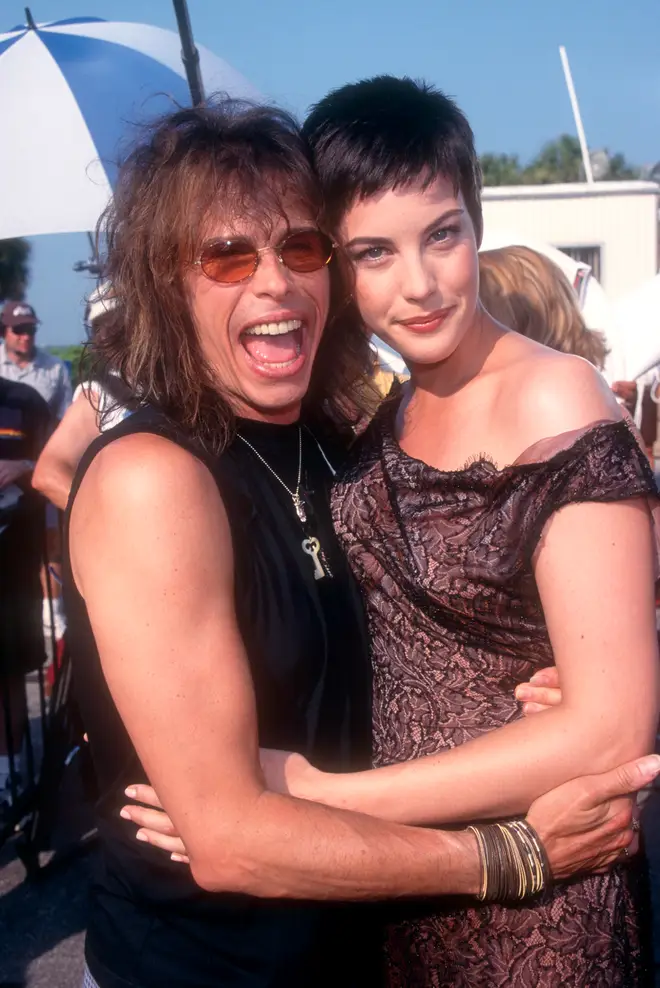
x,y
595,574
56,467
597,594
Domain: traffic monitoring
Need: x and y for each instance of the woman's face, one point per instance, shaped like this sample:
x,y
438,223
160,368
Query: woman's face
x,y
261,336
414,257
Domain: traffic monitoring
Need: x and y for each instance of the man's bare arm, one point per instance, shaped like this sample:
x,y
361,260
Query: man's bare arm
x,y
152,556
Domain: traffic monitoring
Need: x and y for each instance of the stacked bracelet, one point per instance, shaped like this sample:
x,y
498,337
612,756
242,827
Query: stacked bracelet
x,y
514,865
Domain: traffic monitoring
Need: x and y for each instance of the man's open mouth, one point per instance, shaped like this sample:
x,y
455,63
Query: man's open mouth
x,y
274,344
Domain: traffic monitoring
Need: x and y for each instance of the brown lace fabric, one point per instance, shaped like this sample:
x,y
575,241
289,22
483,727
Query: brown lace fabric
x,y
444,562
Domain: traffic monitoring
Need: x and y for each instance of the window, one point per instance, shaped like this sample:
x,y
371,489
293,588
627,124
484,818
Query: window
x,y
585,255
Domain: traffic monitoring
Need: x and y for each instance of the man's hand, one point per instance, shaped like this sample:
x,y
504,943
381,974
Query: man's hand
x,y
13,470
587,824
541,692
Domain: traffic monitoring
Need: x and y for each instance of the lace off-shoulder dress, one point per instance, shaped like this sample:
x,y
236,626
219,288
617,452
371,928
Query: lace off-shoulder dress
x,y
444,560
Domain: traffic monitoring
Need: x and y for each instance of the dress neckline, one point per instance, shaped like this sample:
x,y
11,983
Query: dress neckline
x,y
545,451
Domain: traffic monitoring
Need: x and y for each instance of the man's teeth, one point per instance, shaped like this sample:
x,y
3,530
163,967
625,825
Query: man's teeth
x,y
274,328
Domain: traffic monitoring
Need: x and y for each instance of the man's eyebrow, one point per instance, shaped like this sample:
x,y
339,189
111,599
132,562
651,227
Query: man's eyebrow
x,y
290,230
386,241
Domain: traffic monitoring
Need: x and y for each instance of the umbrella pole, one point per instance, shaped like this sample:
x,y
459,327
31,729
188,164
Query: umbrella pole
x,y
189,53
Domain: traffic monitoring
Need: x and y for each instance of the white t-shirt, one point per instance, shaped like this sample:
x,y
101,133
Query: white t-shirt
x,y
109,412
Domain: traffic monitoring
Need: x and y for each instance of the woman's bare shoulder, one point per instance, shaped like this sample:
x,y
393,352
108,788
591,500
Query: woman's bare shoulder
x,y
547,393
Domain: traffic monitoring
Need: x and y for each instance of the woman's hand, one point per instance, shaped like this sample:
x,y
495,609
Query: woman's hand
x,y
589,823
541,692
284,772
156,828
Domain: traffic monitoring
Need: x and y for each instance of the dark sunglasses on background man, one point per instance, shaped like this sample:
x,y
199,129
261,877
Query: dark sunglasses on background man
x,y
230,262
25,329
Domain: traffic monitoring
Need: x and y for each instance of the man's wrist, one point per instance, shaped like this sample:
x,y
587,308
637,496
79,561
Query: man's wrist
x,y
464,862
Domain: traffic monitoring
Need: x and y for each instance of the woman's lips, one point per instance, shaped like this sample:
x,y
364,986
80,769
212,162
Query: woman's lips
x,y
428,323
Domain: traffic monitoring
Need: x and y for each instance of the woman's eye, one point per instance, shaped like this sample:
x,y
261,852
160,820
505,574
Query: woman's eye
x,y
444,234
370,254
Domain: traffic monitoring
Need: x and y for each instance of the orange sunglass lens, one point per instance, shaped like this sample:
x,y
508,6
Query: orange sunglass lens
x,y
228,262
306,251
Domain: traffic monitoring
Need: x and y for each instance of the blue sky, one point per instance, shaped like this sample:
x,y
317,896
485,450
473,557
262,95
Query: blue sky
x,y
499,58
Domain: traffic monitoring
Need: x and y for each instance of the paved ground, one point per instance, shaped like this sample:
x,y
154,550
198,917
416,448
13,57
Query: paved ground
x,y
41,925
42,922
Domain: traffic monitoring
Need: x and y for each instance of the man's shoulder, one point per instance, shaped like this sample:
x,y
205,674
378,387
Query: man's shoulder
x,y
48,361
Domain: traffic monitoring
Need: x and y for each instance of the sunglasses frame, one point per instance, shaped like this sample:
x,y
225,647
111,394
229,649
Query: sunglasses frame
x,y
258,251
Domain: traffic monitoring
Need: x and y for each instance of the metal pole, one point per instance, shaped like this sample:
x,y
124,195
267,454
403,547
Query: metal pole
x,y
586,160
189,53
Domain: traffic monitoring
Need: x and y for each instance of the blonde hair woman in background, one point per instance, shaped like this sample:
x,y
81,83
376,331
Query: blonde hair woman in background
x,y
526,291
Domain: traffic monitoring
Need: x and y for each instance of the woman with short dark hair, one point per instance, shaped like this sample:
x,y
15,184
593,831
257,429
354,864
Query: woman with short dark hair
x,y
496,515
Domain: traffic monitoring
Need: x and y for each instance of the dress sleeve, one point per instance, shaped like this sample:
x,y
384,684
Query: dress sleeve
x,y
603,463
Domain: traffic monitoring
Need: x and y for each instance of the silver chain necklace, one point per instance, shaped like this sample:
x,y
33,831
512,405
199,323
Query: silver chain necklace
x,y
294,495
310,546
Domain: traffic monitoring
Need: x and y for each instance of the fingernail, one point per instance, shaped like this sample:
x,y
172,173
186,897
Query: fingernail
x,y
141,835
177,857
125,814
523,693
650,765
131,792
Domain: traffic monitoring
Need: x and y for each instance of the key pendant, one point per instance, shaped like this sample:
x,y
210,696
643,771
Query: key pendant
x,y
312,548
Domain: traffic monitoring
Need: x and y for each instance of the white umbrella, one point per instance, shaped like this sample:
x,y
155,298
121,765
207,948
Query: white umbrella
x,y
72,92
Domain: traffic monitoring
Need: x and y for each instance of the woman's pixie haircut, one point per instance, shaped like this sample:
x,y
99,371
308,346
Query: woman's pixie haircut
x,y
387,133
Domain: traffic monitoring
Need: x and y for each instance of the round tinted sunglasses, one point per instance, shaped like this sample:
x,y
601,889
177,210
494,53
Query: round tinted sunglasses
x,y
231,261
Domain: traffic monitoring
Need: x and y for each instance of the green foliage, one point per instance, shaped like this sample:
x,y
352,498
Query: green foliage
x,y
557,161
501,169
14,268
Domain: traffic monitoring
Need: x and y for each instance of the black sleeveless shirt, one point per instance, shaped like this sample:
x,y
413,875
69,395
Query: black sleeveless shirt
x,y
150,925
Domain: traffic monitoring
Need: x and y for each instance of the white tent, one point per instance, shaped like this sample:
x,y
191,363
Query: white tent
x,y
638,318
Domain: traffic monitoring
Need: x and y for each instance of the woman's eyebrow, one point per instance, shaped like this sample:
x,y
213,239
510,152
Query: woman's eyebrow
x,y
387,241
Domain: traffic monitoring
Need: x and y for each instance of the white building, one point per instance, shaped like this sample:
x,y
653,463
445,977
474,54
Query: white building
x,y
611,226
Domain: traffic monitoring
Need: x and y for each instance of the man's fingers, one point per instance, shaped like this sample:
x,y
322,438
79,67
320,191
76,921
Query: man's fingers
x,y
174,845
156,820
144,794
544,696
532,708
625,779
546,677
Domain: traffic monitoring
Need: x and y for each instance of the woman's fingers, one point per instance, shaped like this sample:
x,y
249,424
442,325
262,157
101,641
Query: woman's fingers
x,y
174,845
156,820
144,794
